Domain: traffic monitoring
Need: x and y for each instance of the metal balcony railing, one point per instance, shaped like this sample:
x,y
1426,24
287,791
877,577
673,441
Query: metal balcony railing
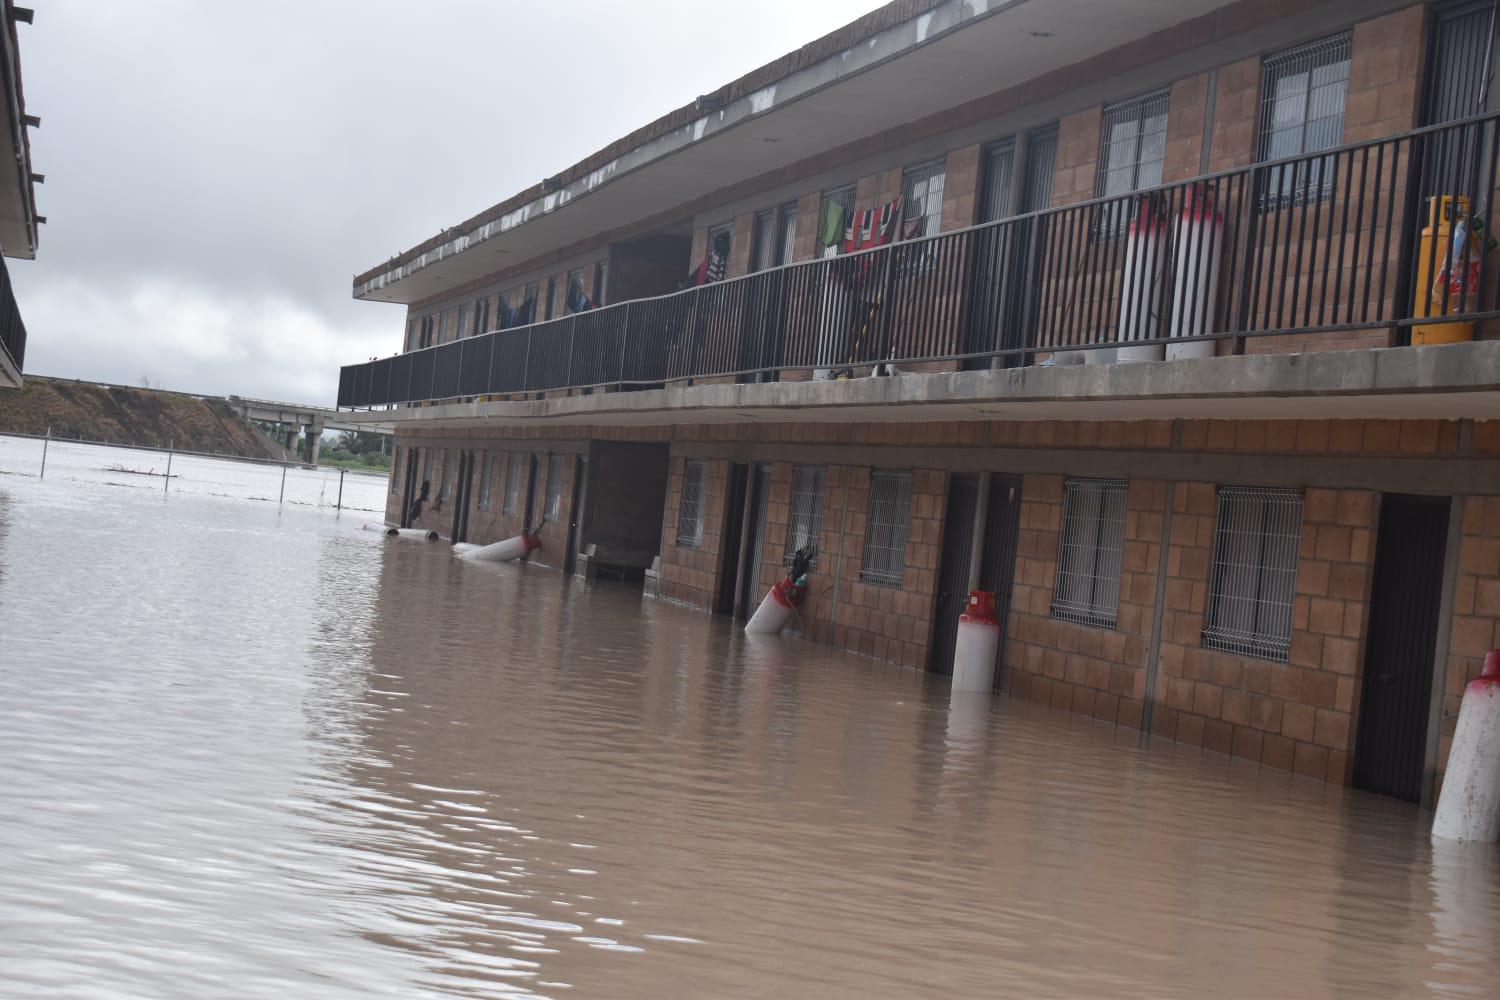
x,y
12,330
1327,243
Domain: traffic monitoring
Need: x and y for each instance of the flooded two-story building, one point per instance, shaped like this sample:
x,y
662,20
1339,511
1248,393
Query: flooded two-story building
x,y
1174,325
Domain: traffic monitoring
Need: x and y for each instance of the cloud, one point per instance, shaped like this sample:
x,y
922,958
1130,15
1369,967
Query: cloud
x,y
218,172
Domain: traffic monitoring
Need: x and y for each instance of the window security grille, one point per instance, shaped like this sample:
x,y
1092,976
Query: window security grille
x,y
555,473
601,276
1087,590
1302,111
514,470
690,510
1041,159
486,476
1132,145
1254,572
572,290
788,232
805,524
885,528
765,240
922,207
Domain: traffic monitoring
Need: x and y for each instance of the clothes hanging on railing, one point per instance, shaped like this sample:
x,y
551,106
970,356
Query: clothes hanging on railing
x,y
715,262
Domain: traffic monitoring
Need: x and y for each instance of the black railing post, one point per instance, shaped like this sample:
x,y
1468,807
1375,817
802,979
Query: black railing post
x,y
693,327
1411,223
572,339
489,379
459,374
526,364
624,344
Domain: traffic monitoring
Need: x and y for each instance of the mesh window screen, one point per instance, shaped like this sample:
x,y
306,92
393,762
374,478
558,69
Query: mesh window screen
x,y
1254,572
1088,557
690,510
885,528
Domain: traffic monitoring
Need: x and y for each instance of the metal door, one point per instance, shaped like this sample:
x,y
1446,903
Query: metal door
x,y
1399,645
953,570
997,563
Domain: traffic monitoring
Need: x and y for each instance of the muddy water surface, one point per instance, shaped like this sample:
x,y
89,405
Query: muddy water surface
x,y
252,751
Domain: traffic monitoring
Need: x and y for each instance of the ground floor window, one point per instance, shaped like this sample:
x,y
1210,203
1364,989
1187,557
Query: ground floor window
x,y
556,467
1254,571
512,483
690,507
396,465
486,476
1087,589
448,472
887,522
805,522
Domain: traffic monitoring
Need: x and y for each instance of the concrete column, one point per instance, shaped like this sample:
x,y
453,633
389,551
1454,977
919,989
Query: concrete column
x,y
314,440
291,439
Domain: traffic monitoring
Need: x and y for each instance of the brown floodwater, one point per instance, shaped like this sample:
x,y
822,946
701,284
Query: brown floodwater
x,y
258,752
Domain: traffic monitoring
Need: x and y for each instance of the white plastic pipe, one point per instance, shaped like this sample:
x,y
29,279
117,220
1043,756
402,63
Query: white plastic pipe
x,y
774,612
414,534
1469,806
511,548
459,548
384,529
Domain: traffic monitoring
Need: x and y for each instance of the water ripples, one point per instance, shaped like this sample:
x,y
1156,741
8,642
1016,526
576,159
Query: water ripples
x,y
255,753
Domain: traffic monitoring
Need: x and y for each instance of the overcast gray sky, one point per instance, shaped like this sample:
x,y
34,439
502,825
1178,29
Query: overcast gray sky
x,y
217,172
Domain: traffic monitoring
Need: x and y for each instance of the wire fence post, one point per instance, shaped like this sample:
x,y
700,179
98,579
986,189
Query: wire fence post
x,y
339,503
282,498
167,479
45,442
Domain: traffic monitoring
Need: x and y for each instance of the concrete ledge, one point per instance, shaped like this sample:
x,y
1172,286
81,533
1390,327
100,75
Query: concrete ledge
x,y
1451,381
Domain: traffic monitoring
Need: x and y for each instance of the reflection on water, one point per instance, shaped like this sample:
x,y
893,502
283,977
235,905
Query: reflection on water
x,y
255,752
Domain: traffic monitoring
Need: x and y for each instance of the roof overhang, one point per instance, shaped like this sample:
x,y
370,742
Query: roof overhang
x,y
956,52
18,218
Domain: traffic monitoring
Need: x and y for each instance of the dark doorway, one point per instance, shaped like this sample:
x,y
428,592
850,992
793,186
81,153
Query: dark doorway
x,y
953,570
460,529
624,500
997,562
575,513
530,493
733,537
748,596
409,491
1399,645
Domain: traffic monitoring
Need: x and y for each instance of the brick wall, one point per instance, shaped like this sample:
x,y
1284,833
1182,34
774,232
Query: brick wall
x,y
1476,609
1187,110
1385,74
1236,115
962,172
1086,669
1296,715
690,574
1074,174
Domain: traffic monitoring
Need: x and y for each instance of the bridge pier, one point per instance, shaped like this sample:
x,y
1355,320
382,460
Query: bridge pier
x,y
314,435
291,438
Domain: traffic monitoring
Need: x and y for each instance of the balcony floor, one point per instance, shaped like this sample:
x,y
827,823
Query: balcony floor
x,y
1452,381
